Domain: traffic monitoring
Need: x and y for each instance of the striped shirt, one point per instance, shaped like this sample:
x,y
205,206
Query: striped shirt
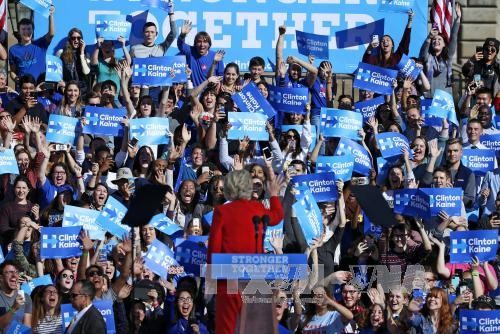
x,y
50,324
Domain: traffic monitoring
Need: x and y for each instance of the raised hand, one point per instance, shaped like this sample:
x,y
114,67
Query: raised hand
x,y
282,69
282,29
219,55
87,243
186,27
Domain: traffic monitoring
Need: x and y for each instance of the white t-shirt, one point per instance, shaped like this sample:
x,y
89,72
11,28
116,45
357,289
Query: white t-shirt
x,y
328,323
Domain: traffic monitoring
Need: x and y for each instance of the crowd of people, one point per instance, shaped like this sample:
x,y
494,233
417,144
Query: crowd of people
x,y
202,170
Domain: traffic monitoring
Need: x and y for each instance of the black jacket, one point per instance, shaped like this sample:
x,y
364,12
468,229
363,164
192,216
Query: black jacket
x,y
92,322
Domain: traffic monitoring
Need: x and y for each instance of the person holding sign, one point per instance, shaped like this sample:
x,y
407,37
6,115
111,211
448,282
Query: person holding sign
x,y
386,57
28,56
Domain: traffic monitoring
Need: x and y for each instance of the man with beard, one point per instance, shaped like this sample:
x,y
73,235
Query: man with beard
x,y
13,305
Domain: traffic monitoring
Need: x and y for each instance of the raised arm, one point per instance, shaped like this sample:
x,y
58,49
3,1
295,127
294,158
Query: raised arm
x,y
312,72
279,44
52,28
173,31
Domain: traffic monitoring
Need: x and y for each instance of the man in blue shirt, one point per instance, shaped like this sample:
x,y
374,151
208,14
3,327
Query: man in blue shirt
x,y
199,57
28,56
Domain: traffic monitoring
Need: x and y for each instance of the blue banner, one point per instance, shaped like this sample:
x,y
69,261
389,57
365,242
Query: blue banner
x,y
191,255
479,321
164,224
163,4
272,231
309,216
104,121
340,123
152,71
298,128
76,216
400,6
368,108
259,266
359,35
466,244
321,185
243,30
8,162
62,129
40,6
428,202
28,286
207,217
391,143
150,131
362,160
159,258
247,124
250,99
383,166
443,106
429,120
53,68
60,242
374,79
312,44
479,161
110,218
104,306
16,327
408,68
289,99
110,27
492,142
341,166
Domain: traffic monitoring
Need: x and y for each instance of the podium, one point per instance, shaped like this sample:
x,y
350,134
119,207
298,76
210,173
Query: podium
x,y
251,274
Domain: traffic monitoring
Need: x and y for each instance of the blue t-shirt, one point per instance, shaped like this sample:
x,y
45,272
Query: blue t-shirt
x,y
318,96
29,59
287,82
48,191
200,65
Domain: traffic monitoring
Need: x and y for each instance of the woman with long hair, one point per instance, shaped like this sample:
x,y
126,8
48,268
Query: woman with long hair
x,y
230,79
71,104
64,282
184,319
75,63
46,315
373,321
181,209
435,316
437,55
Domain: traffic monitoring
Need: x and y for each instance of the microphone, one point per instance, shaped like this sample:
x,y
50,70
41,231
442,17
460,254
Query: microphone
x,y
265,222
256,220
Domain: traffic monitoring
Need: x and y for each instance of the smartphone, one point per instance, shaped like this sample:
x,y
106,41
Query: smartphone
x,y
477,77
463,288
479,49
49,86
267,153
434,25
359,181
205,169
60,147
133,142
196,222
131,186
141,293
375,38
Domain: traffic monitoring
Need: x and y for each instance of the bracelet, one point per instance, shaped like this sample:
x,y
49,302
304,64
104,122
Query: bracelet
x,y
475,273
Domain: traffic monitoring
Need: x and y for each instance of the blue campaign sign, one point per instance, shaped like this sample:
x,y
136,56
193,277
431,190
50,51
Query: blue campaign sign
x,y
104,121
448,200
443,106
369,228
8,162
312,44
247,124
466,244
391,143
396,5
163,4
272,231
259,266
159,258
309,216
106,309
164,224
177,65
479,161
53,68
152,71
251,100
16,327
60,242
368,108
479,321
362,159
321,185
110,26
383,166
408,68
429,120
28,286
374,79
411,202
497,121
62,129
340,123
298,128
2,258
289,99
110,218
244,31
76,216
191,255
40,6
150,131
341,166
67,312
492,142
207,217
359,35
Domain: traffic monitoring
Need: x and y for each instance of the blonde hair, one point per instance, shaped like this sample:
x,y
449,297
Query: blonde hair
x,y
238,185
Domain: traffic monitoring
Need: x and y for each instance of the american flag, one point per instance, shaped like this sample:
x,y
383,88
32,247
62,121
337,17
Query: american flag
x,y
442,15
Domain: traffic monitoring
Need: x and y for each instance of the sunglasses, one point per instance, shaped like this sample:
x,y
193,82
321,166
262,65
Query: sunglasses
x,y
93,273
75,38
66,276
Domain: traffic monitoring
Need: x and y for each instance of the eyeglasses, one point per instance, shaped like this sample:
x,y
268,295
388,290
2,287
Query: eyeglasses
x,y
66,276
10,273
93,273
185,299
74,295
59,173
76,38
50,292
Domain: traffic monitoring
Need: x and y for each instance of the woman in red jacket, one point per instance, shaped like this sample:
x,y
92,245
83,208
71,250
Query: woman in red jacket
x,y
232,231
